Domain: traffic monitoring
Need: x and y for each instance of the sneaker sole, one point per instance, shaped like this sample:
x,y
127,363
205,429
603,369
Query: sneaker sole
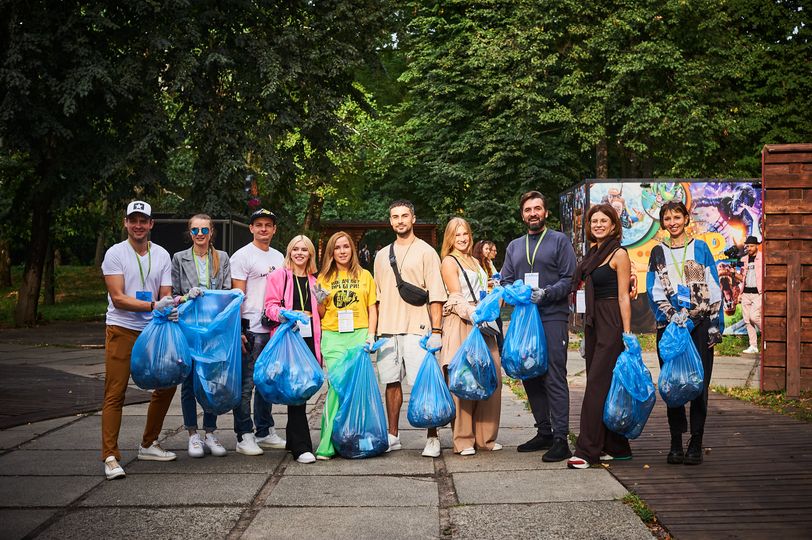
x,y
219,453
396,447
156,458
116,476
430,454
247,453
267,446
555,459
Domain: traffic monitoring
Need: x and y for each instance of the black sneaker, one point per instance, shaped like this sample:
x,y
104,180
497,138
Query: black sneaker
x,y
693,456
539,442
558,452
675,456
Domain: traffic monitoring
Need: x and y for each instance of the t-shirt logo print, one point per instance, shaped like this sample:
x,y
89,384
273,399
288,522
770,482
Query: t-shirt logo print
x,y
343,299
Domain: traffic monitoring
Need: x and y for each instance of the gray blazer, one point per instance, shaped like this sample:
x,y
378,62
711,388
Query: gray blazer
x,y
184,272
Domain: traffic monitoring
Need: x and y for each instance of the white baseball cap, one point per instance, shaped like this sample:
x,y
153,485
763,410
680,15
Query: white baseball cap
x,y
139,207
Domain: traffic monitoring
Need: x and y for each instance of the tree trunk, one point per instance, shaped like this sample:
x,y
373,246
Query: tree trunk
x,y
5,263
602,159
48,278
101,239
25,312
315,204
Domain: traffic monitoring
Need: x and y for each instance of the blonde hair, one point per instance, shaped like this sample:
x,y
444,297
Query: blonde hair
x,y
215,257
329,266
451,233
311,262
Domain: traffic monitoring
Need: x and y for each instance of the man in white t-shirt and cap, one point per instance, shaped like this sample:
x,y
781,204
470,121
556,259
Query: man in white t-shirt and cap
x,y
250,266
137,274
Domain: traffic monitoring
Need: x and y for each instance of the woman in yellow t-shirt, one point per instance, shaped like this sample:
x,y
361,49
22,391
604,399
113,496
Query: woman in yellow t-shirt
x,y
349,317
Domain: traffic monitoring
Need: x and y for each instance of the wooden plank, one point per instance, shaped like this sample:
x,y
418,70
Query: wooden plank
x,y
786,148
774,378
778,283
777,306
775,354
787,181
788,231
794,157
774,256
794,300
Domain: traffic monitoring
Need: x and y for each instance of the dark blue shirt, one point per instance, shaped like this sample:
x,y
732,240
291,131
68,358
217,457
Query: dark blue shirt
x,y
555,264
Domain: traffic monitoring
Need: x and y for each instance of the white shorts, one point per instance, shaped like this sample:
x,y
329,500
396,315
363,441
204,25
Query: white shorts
x,y
399,358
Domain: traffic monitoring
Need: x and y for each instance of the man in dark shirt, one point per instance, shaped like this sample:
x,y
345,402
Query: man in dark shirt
x,y
545,260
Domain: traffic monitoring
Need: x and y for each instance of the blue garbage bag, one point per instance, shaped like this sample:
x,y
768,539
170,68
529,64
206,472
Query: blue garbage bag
x,y
524,354
211,324
472,372
430,404
359,428
489,308
632,395
287,372
160,357
682,376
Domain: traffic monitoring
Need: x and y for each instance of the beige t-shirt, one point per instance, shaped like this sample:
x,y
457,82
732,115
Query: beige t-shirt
x,y
419,265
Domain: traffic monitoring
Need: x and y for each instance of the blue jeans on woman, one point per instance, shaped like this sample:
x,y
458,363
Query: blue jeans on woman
x,y
262,409
188,404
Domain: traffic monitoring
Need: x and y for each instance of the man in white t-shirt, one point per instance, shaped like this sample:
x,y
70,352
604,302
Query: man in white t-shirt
x,y
250,266
137,274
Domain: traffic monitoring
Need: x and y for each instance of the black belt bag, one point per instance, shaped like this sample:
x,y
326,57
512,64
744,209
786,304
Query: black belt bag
x,y
411,294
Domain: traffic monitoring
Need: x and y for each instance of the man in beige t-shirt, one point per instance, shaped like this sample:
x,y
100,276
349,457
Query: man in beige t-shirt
x,y
402,323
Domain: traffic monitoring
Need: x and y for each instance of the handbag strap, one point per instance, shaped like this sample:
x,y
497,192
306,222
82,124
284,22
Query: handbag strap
x,y
468,281
394,262
284,289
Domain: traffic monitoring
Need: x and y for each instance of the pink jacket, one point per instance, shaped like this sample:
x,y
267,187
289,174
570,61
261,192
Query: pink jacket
x,y
759,277
273,301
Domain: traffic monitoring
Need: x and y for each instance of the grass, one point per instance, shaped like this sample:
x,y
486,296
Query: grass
x,y
517,388
640,508
800,409
730,345
80,296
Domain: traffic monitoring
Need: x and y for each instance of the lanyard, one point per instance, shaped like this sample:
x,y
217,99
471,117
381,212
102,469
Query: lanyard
x,y
299,290
680,269
140,269
532,261
197,267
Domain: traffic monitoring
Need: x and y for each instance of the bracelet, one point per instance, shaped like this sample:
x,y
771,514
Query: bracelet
x,y
437,331
152,305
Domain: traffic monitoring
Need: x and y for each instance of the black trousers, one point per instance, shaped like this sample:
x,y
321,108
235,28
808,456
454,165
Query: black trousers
x,y
677,421
549,395
297,432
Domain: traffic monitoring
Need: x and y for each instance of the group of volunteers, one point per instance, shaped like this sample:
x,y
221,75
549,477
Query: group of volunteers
x,y
348,308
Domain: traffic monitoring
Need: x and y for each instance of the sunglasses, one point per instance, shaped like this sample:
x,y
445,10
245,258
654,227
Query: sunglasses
x,y
195,231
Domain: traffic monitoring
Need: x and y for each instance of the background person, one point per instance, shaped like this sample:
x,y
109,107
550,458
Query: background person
x,y
476,423
349,318
291,287
605,273
403,323
136,273
682,282
250,266
751,289
545,260
193,270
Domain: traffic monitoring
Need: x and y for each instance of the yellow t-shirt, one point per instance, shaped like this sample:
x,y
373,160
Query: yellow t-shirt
x,y
348,293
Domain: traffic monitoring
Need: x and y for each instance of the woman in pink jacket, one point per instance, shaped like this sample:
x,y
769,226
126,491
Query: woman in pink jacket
x,y
293,287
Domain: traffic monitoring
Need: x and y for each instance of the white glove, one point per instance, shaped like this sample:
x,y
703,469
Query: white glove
x,y
320,294
165,302
370,340
538,295
488,328
194,292
435,341
173,315
680,317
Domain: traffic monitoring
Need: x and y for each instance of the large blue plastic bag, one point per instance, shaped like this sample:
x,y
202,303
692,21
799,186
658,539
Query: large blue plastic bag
x,y
682,376
287,372
632,395
524,353
359,428
160,357
211,324
430,404
472,372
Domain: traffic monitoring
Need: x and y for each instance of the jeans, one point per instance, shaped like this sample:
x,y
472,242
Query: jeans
x,y
188,405
262,409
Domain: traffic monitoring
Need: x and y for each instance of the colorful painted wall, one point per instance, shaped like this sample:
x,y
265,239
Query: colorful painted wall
x,y
723,214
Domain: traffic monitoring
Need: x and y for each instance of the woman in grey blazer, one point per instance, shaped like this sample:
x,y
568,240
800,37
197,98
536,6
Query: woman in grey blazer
x,y
193,270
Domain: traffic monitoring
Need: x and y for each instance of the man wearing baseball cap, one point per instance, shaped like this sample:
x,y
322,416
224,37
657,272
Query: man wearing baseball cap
x,y
751,289
137,274
250,266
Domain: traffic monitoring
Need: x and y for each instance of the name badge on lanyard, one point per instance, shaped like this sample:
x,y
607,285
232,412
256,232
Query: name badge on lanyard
x,y
305,329
346,322
146,296
683,296
531,279
580,301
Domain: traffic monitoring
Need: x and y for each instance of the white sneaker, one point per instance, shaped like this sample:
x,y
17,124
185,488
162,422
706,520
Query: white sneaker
x,y
468,452
155,453
271,440
248,446
112,469
496,447
307,457
211,444
394,442
196,446
750,350
432,448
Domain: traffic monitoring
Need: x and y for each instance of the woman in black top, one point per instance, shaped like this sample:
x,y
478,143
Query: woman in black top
x,y
605,271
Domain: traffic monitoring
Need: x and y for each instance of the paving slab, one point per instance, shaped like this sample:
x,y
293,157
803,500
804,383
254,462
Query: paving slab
x,y
537,486
402,462
18,523
45,491
140,523
359,491
555,521
85,434
52,463
232,463
177,490
505,460
359,523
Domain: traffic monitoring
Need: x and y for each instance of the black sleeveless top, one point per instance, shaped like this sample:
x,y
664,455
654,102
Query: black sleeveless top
x,y
604,281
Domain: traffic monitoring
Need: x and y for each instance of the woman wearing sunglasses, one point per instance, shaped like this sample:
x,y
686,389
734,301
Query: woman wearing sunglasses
x,y
193,270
